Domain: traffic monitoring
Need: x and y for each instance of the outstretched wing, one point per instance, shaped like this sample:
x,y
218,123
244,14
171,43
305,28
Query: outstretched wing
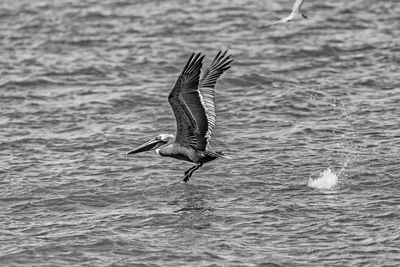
x,y
220,64
293,14
297,6
190,115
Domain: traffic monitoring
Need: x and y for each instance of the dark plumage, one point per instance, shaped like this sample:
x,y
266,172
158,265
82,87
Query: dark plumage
x,y
192,101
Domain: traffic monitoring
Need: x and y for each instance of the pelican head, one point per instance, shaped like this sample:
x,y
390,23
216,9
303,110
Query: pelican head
x,y
154,143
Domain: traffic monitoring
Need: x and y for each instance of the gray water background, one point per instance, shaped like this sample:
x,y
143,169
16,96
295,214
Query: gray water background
x,y
82,82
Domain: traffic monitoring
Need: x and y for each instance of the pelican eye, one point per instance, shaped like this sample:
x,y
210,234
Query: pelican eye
x,y
160,138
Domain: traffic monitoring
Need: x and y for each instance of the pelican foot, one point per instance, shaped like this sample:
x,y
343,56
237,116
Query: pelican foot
x,y
186,178
190,171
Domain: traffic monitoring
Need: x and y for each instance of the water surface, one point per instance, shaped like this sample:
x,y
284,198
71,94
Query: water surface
x,y
82,82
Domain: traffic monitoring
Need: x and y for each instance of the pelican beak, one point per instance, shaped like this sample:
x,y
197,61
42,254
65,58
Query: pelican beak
x,y
152,144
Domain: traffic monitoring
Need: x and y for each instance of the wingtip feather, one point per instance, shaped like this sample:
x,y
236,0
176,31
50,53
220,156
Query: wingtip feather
x,y
195,62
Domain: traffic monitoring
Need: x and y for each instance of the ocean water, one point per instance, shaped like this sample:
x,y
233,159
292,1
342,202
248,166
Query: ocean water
x,y
308,113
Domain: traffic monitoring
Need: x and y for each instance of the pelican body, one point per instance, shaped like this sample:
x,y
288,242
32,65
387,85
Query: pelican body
x,y
192,101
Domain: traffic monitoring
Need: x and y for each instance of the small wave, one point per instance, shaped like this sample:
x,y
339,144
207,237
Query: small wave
x,y
38,81
91,70
327,180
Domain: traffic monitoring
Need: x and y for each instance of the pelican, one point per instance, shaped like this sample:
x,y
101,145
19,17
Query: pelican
x,y
192,101
294,15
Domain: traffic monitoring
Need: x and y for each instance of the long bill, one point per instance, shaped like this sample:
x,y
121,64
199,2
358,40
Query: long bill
x,y
152,144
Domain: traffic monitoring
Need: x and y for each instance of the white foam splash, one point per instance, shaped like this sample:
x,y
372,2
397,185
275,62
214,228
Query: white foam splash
x,y
326,180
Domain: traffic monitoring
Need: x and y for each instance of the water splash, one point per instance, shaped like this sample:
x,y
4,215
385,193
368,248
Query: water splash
x,y
327,180
345,152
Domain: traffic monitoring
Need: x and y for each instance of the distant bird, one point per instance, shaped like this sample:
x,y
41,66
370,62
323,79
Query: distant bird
x,y
294,15
192,101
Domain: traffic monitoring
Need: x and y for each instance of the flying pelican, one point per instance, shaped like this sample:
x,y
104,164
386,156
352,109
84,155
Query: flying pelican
x,y
192,101
294,15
